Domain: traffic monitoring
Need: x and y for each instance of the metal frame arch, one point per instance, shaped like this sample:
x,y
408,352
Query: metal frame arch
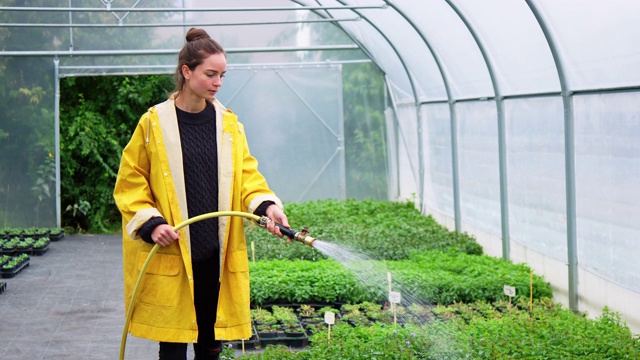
x,y
569,149
452,113
502,157
336,22
413,90
363,49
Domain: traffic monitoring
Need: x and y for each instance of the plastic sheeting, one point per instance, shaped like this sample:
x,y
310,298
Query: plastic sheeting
x,y
552,81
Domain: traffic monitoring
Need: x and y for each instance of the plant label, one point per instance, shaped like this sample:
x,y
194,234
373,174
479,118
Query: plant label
x,y
510,291
395,297
330,317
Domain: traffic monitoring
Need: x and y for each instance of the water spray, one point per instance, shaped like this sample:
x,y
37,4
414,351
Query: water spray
x,y
301,236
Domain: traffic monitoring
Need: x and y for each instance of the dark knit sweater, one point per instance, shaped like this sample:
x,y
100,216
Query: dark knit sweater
x,y
200,163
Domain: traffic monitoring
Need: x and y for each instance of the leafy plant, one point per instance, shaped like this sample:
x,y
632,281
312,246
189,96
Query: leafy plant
x,y
449,277
305,282
363,225
547,332
97,117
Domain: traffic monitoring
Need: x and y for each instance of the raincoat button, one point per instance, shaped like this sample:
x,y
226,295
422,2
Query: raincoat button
x,y
154,124
165,174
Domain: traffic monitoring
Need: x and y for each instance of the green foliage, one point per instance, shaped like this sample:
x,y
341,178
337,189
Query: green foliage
x,y
476,331
377,341
429,277
547,332
451,276
26,138
27,126
365,131
381,229
98,116
301,281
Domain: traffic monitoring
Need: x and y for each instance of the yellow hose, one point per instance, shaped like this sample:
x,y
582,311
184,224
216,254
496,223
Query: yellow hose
x,y
153,252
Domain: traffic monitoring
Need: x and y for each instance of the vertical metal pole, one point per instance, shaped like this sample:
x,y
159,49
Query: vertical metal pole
x,y
452,114
454,166
504,191
414,91
502,143
569,156
70,28
56,78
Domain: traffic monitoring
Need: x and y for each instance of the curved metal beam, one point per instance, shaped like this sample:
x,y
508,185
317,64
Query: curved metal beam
x,y
413,86
413,90
140,25
175,51
569,155
452,112
170,9
502,157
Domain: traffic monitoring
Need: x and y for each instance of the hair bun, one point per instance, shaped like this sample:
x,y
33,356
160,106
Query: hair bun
x,y
197,34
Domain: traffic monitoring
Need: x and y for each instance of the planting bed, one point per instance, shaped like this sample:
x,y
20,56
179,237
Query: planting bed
x,y
291,325
467,313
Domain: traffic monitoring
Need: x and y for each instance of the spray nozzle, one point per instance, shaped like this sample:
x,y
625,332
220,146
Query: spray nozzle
x,y
301,236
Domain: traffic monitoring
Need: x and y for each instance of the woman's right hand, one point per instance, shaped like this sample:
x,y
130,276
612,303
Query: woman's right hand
x,y
164,235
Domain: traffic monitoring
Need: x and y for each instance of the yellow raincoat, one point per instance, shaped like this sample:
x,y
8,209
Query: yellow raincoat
x,y
151,183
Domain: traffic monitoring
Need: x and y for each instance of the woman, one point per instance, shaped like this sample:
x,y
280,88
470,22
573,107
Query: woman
x,y
189,156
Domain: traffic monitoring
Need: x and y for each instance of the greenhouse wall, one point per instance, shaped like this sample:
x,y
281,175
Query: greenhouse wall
x,y
514,121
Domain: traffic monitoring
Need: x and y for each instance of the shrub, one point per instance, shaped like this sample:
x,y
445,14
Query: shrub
x,y
429,276
364,225
547,332
449,277
302,281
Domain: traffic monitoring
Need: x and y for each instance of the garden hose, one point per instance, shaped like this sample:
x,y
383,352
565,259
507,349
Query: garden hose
x,y
301,236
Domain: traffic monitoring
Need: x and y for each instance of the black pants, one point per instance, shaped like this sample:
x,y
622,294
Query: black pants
x,y
206,275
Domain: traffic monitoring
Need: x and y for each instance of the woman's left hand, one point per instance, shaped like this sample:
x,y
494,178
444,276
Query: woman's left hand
x,y
277,216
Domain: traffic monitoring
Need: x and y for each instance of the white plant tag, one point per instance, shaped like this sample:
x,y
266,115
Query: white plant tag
x,y
510,291
395,297
330,317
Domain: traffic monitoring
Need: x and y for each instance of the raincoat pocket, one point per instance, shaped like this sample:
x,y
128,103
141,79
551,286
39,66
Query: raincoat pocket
x,y
161,281
238,261
239,274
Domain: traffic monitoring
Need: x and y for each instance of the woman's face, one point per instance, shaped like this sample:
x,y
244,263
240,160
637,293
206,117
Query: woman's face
x,y
206,79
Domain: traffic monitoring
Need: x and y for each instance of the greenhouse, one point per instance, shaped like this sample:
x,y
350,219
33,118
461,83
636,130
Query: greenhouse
x,y
516,122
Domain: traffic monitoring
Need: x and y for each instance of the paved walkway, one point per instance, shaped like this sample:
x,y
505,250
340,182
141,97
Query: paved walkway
x,y
68,305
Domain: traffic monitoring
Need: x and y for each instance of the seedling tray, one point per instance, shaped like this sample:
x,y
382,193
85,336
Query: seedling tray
x,y
8,274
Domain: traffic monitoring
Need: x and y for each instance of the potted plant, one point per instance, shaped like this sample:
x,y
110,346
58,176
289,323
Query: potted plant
x,y
40,246
267,331
9,246
15,232
261,316
4,232
354,316
14,266
56,234
24,246
4,259
306,311
284,314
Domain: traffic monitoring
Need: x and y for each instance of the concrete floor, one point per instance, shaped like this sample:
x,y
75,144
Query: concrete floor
x,y
68,305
